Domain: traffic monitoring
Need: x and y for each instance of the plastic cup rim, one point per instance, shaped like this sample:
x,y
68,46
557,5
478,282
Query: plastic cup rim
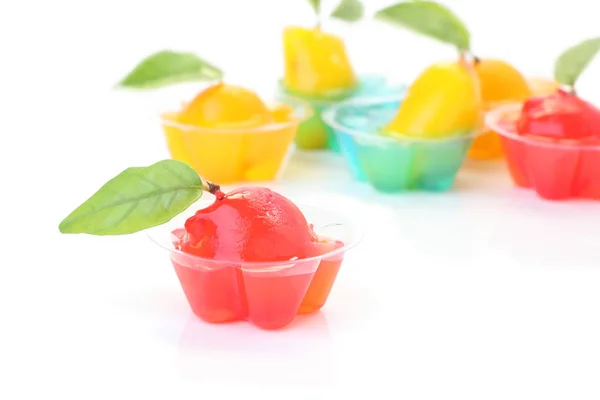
x,y
493,117
295,120
282,93
155,236
327,103
329,117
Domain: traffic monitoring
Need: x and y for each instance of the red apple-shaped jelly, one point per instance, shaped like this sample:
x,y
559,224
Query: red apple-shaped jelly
x,y
560,115
250,224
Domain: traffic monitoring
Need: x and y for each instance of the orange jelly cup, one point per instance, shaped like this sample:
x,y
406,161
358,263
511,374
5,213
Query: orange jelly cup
x,y
236,154
557,169
268,294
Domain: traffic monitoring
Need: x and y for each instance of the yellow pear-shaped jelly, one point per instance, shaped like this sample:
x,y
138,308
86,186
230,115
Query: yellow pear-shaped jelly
x,y
315,62
443,101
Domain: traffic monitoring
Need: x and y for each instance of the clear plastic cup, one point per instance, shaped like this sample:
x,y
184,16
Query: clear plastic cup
x,y
268,294
313,133
557,169
398,163
232,155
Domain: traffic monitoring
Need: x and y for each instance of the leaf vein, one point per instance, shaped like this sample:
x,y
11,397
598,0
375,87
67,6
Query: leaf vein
x,y
126,214
131,199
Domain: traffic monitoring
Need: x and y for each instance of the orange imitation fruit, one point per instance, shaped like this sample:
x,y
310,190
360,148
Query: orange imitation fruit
x,y
499,82
228,134
226,106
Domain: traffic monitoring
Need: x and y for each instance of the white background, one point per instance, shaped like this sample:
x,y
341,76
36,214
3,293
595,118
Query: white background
x,y
485,292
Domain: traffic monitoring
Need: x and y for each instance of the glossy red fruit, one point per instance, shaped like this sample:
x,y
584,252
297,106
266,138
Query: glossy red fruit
x,y
560,115
250,224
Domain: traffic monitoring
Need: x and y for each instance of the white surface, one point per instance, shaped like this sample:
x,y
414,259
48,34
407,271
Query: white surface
x,y
485,292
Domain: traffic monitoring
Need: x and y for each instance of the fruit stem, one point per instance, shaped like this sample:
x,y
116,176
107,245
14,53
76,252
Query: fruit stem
x,y
214,189
568,89
468,56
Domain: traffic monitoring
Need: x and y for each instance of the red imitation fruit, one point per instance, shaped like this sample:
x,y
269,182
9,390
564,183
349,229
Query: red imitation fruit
x,y
250,224
559,115
253,224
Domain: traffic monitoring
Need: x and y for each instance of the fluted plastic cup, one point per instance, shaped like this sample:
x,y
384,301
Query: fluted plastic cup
x,y
233,155
557,169
268,294
365,115
395,163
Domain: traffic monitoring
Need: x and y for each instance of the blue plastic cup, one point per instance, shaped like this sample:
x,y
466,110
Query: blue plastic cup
x,y
394,163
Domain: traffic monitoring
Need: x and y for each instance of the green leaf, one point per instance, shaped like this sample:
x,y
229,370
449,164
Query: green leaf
x,y
573,61
169,67
428,18
136,199
349,11
316,5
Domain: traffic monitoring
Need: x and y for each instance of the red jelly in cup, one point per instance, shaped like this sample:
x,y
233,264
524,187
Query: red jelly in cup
x,y
249,254
552,144
209,251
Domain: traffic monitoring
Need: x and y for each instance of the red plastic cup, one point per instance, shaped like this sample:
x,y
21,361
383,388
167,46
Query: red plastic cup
x,y
268,294
557,169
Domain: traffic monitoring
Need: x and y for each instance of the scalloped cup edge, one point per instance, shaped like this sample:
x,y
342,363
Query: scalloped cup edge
x,y
163,237
344,94
493,118
329,117
301,113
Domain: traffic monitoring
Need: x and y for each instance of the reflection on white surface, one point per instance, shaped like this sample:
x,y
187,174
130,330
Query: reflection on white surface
x,y
549,234
300,354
